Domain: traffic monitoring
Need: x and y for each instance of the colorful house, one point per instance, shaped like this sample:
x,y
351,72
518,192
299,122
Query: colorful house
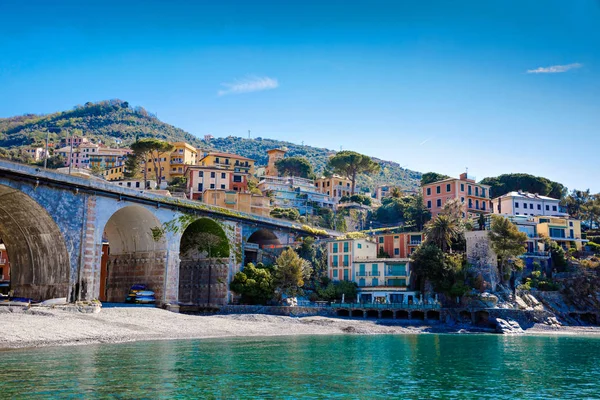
x,y
200,178
529,204
243,202
335,187
399,245
381,280
228,161
475,196
274,156
563,230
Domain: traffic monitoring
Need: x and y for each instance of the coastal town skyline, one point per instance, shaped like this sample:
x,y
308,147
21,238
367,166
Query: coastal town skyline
x,y
390,73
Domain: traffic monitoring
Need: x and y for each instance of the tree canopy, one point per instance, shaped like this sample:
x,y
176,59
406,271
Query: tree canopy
x,y
506,183
290,272
507,242
151,150
350,164
295,166
430,177
254,284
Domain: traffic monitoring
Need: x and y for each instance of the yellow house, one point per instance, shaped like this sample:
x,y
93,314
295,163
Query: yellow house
x,y
243,202
564,231
335,186
228,161
173,164
114,173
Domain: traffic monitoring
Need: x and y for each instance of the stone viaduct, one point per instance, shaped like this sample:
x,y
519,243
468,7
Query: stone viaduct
x,y
86,239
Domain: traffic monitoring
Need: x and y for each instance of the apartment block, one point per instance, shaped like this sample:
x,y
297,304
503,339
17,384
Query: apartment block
x,y
200,178
474,196
399,245
380,280
524,203
335,187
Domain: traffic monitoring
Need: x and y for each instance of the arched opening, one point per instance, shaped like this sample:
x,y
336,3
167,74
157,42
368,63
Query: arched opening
x,y
482,318
387,314
372,314
418,315
133,254
204,264
343,313
39,260
433,315
465,316
261,246
401,314
358,313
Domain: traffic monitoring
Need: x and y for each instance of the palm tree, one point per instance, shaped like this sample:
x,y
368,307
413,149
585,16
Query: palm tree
x,y
442,230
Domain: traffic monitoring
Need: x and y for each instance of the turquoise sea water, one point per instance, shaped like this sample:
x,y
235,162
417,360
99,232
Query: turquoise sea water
x,y
362,367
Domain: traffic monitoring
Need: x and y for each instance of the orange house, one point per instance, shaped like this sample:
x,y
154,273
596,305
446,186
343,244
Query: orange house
x,y
399,245
475,196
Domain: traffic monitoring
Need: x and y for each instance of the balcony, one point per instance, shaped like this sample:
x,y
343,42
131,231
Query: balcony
x,y
415,242
368,273
541,254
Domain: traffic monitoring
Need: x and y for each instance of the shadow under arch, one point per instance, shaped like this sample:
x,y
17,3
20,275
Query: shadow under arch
x,y
132,254
258,245
203,264
40,263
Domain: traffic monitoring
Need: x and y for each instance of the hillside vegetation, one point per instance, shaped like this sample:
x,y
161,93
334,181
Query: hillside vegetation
x,y
107,121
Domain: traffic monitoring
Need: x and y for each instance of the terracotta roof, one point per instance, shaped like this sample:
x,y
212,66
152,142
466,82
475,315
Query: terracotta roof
x,y
230,155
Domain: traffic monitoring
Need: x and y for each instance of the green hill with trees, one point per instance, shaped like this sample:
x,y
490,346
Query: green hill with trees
x,y
115,122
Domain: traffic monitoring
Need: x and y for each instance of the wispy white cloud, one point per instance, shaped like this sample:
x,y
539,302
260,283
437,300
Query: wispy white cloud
x,y
424,141
248,85
554,69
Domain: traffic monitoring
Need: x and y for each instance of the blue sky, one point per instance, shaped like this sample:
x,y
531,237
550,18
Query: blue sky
x,y
498,87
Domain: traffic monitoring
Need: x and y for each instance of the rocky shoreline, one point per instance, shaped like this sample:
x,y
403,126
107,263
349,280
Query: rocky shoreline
x,y
40,327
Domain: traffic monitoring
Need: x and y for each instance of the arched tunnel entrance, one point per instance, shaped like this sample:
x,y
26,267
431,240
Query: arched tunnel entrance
x,y
40,264
132,255
204,264
262,246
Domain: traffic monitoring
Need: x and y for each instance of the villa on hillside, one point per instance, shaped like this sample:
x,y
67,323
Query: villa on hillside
x,y
475,196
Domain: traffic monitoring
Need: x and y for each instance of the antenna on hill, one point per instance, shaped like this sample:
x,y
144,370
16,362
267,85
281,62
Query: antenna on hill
x,y
340,148
248,133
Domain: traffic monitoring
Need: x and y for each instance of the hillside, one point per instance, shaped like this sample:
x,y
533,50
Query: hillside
x,y
107,121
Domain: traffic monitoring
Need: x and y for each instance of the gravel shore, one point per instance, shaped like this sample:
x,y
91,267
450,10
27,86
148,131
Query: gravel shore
x,y
52,327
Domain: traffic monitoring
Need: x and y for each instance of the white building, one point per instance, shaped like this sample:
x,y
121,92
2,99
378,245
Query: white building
x,y
524,203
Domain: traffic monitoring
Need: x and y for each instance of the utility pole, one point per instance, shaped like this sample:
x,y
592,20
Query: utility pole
x,y
70,151
46,155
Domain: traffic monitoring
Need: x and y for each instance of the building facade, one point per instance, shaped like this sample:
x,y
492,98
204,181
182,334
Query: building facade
x,y
36,153
200,178
335,187
564,231
379,280
524,203
238,201
399,245
292,192
474,196
228,161
274,156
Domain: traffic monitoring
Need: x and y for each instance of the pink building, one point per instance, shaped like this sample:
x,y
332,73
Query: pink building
x,y
475,196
